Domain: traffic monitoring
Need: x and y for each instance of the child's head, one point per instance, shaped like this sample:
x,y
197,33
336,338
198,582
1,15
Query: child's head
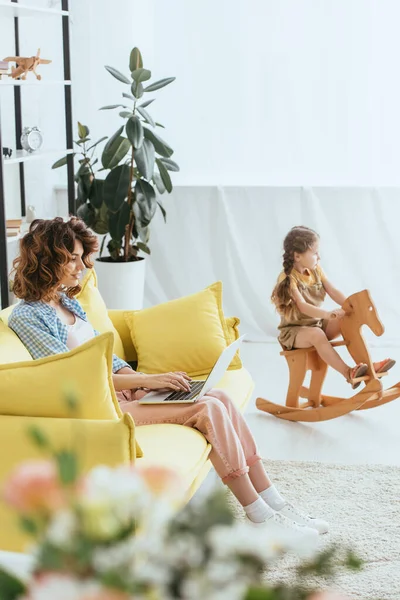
x,y
301,250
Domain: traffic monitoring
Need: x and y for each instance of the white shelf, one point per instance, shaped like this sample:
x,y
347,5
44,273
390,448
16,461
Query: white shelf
x,y
20,10
20,156
10,81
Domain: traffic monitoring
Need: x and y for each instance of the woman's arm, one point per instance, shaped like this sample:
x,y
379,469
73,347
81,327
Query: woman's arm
x,y
336,295
127,379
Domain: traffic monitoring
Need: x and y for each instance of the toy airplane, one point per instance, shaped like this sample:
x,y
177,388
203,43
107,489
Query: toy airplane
x,y
25,64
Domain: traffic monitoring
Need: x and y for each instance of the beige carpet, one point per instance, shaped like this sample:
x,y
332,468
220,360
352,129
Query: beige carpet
x,y
362,505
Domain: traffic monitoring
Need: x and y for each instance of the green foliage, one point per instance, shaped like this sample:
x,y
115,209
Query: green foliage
x,y
138,163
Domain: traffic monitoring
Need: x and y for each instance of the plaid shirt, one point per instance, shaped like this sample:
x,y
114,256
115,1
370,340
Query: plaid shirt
x,y
43,333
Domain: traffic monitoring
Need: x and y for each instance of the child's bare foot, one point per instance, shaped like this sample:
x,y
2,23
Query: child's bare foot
x,y
384,365
357,371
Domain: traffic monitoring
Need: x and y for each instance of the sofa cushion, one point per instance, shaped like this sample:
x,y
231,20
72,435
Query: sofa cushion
x,y
187,334
11,347
96,310
39,388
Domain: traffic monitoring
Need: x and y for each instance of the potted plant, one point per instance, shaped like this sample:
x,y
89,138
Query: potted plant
x,y
123,203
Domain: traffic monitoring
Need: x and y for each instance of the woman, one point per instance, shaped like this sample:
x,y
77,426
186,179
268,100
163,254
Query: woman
x,y
49,320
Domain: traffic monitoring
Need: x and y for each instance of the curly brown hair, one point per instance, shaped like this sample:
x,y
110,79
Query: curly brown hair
x,y
44,253
299,239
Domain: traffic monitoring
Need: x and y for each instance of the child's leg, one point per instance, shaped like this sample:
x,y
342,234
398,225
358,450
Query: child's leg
x,y
314,336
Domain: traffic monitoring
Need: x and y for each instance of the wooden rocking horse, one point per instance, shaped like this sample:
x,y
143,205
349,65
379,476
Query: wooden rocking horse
x,y
360,310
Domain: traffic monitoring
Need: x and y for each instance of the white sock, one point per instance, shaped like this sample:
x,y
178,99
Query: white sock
x,y
273,498
258,511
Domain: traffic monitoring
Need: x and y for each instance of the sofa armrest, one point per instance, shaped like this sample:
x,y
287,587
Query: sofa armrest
x,y
118,320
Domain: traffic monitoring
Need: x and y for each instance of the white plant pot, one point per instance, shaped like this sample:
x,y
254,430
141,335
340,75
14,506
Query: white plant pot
x,y
121,284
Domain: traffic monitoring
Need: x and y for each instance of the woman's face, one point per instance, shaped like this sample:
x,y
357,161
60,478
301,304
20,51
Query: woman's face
x,y
74,268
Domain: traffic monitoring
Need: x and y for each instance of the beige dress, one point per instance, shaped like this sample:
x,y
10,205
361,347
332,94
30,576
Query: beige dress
x,y
311,287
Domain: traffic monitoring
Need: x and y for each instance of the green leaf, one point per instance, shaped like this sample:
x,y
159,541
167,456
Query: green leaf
x,y
61,162
96,193
38,437
135,60
129,96
116,187
84,185
100,224
86,213
117,74
11,587
159,125
83,131
146,199
137,89
98,142
164,175
115,150
110,106
170,164
134,131
146,103
146,116
159,84
143,247
160,146
67,464
140,75
164,214
159,183
144,158
28,525
83,141
119,221
125,114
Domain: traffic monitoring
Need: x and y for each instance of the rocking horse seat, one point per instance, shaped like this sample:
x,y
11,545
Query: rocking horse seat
x,y
298,351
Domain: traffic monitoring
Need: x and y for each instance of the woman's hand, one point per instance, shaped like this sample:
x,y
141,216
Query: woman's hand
x,y
338,313
178,381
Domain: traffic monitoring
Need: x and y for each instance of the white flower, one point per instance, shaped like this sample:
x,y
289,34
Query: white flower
x,y
62,529
183,551
118,556
61,587
243,539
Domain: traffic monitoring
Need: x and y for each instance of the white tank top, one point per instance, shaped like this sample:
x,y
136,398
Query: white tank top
x,y
79,333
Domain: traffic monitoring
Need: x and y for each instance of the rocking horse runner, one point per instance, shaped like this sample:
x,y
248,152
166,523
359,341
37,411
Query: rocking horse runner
x,y
306,331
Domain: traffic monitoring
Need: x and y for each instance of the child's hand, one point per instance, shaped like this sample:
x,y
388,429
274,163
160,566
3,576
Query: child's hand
x,y
338,313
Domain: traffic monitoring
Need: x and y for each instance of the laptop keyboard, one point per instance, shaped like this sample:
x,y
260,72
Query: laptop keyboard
x,y
195,389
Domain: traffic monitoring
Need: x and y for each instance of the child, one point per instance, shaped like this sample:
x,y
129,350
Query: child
x,y
298,296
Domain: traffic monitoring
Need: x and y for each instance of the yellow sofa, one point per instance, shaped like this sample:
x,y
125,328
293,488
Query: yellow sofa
x,y
106,441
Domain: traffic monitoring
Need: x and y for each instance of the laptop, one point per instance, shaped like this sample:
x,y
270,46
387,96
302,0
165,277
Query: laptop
x,y
198,388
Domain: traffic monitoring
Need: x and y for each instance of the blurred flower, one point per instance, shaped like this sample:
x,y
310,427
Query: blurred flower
x,y
34,486
62,527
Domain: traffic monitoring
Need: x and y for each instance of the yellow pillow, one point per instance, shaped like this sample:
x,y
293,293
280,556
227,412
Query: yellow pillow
x,y
187,334
37,388
11,347
96,310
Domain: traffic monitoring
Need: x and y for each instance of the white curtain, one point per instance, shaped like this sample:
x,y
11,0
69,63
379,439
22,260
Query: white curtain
x,y
235,234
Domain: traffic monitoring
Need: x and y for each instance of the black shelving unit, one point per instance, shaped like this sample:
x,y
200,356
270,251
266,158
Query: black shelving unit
x,y
19,10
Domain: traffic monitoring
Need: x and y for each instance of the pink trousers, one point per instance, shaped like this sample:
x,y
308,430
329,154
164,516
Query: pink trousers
x,y
215,416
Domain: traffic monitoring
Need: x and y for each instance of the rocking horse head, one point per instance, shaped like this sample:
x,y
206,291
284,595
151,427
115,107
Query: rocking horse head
x,y
362,311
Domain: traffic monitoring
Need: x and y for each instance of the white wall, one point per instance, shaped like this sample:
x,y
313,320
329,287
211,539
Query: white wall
x,y
288,92
295,92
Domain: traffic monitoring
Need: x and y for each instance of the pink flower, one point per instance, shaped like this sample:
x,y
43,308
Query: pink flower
x,y
34,486
161,480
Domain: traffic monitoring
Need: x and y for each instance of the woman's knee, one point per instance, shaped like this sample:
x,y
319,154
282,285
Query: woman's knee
x,y
221,396
213,406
